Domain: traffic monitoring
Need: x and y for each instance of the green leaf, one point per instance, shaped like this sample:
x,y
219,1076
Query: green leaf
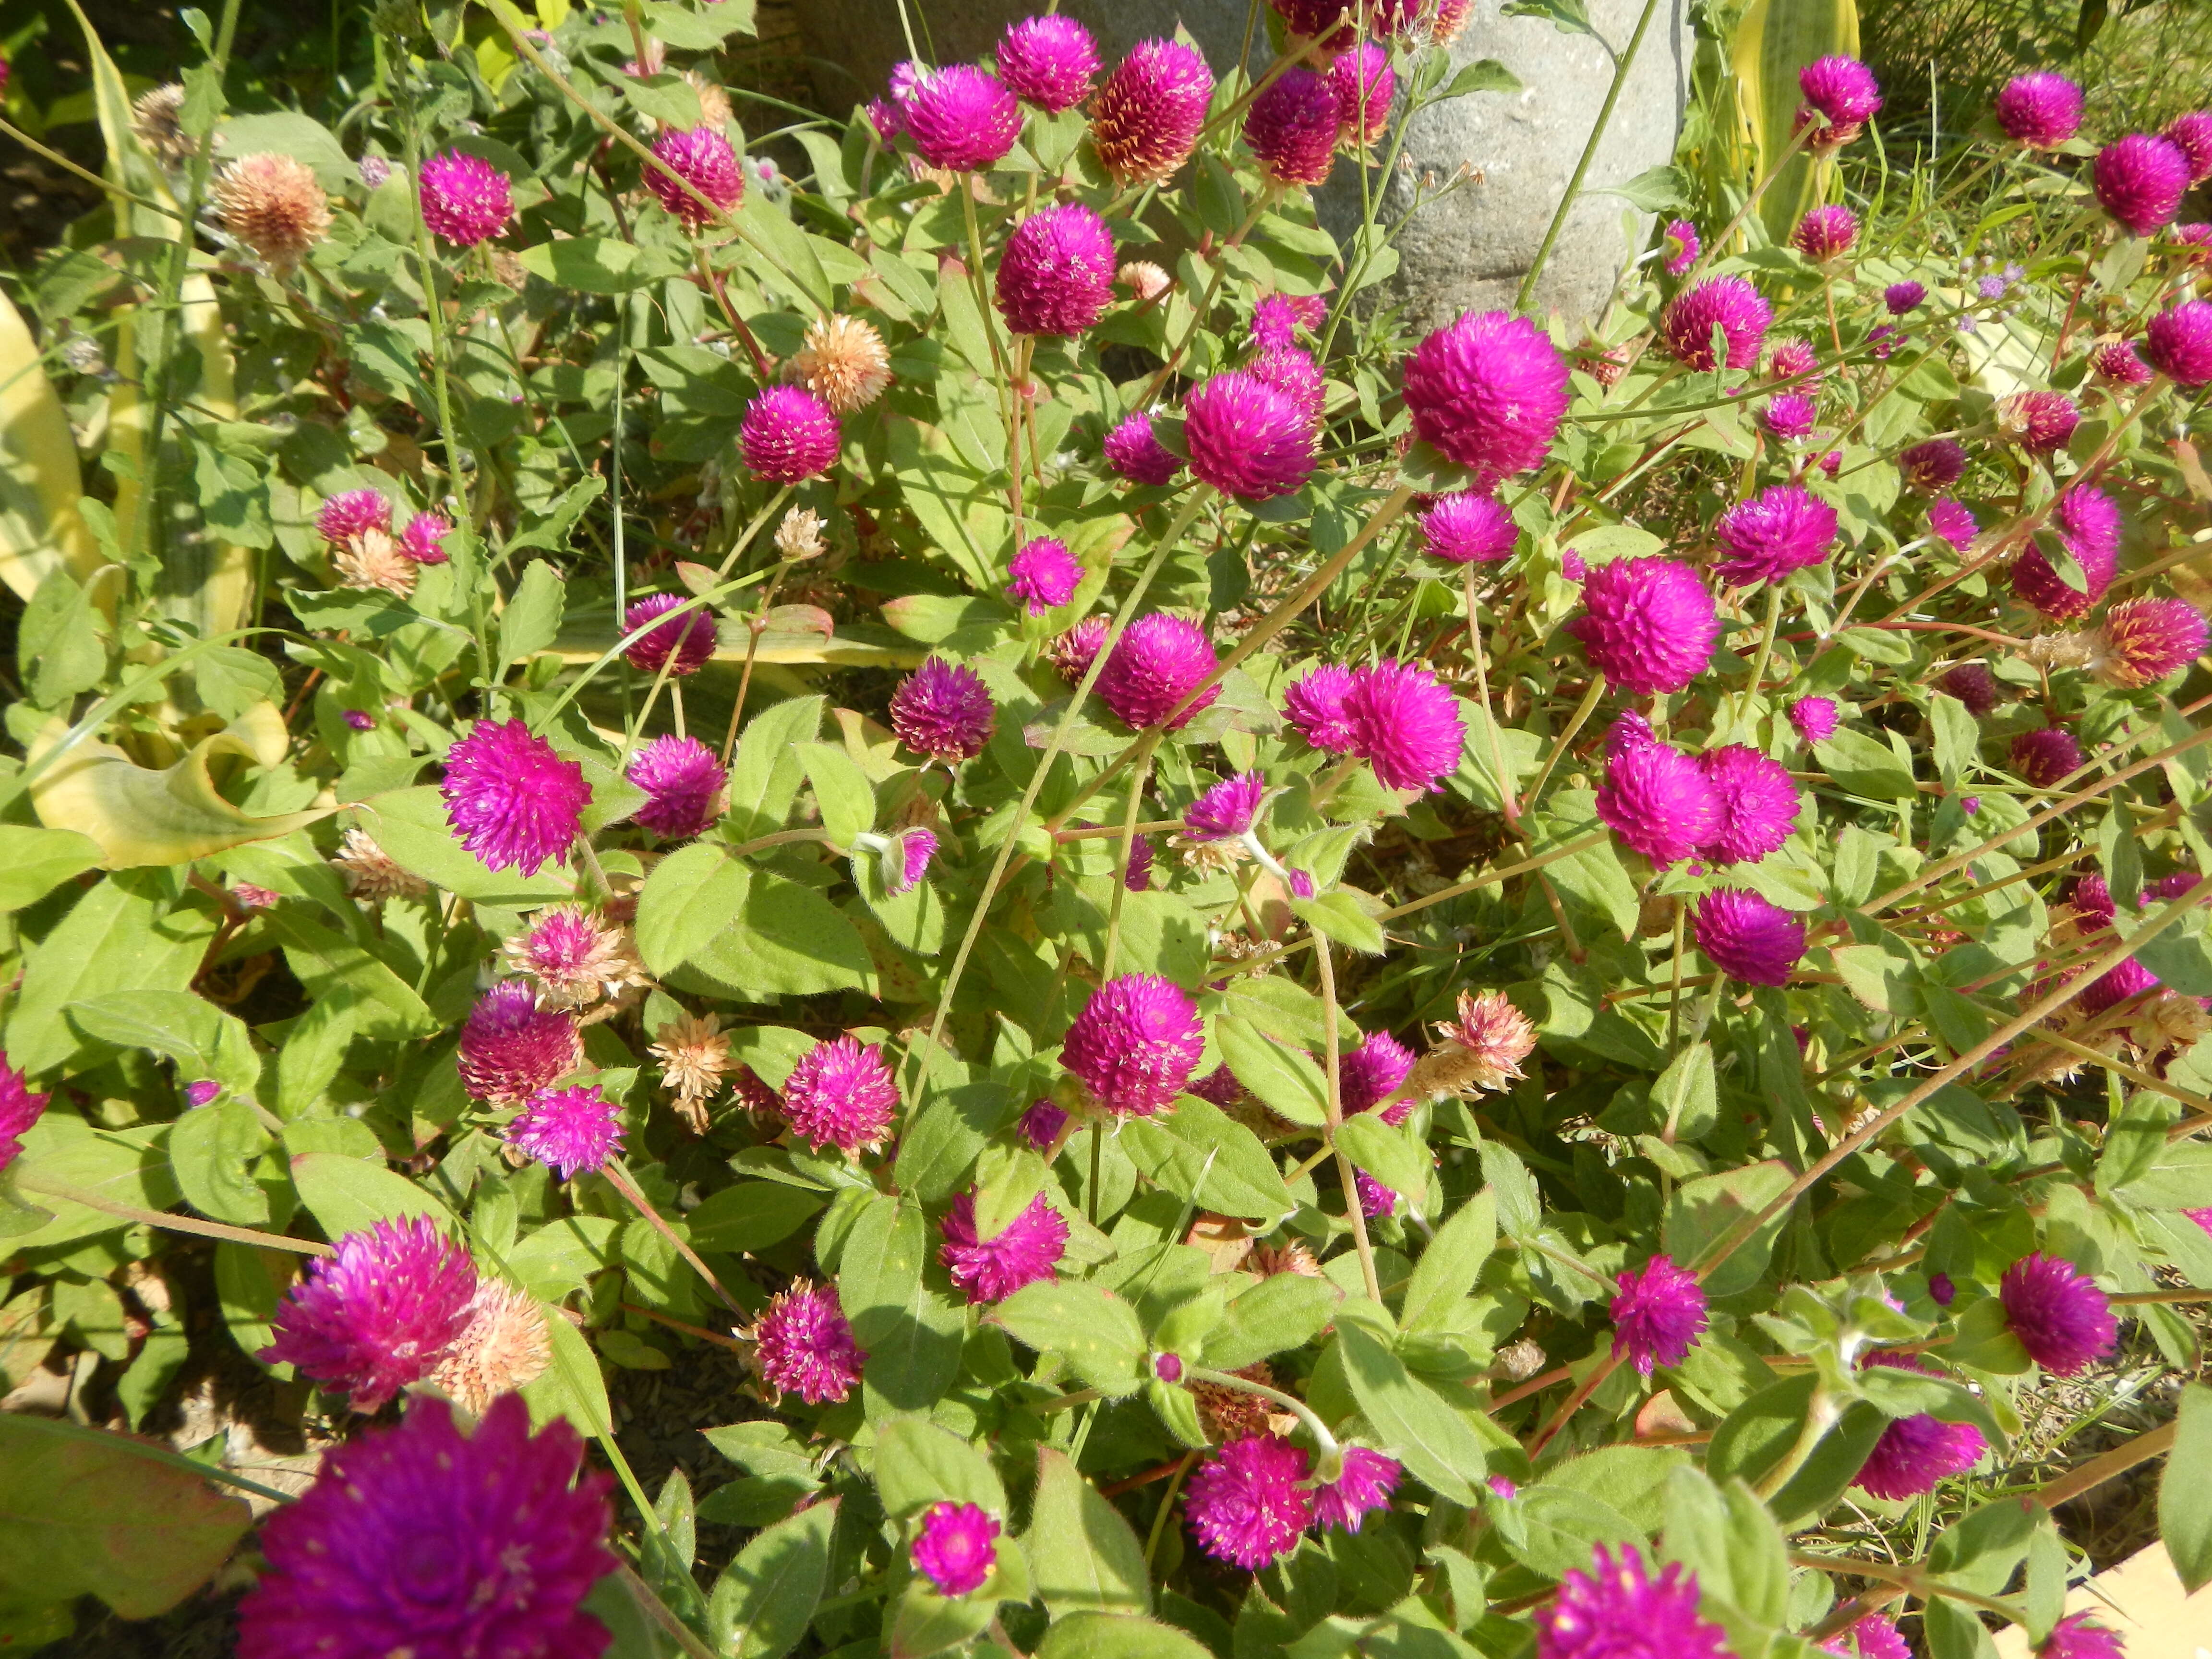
x,y
1287,1082
1726,1538
203,1041
328,964
2184,1496
1390,1155
692,896
1953,1631
919,1463
926,1622
573,1386
1082,1556
1109,1635
765,1599
213,1151
764,778
1341,916
1281,1312
788,940
1864,766
288,132
1655,190
1703,1210
597,264
1484,74
33,862
841,790
1198,1152
349,1194
666,97
1449,1267
750,1215
532,621
1410,1418
63,1153
910,1333
1686,1096
1093,1329
1568,16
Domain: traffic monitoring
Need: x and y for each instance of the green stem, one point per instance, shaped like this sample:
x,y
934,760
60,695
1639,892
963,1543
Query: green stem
x,y
1574,723
1354,1211
1297,1408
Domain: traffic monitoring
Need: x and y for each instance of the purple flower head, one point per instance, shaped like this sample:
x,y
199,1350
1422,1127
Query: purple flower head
x,y
1219,1085
514,802
685,643
2115,361
1040,1125
1364,83
1302,885
1470,527
1789,416
804,1347
2058,1314
421,1539
1073,651
1826,232
1274,323
1572,566
1815,718
788,436
1872,1636
1656,1314
1137,455
1952,521
1318,705
1228,810
201,1091
2079,1636
2087,525
510,1048
353,512
20,1107
1044,575
993,1269
1618,1610
1972,683
1314,20
1747,938
840,1095
1158,662
1902,297
1376,1201
1759,803
1138,878
1648,625
1681,246
1933,465
956,1548
1659,801
2191,134
1366,1484
1146,118
2038,421
1292,128
699,157
1371,1072
1134,1045
1726,303
1168,1367
570,1130
1247,439
1630,731
1056,275
2151,638
2041,111
465,200
887,117
2110,989
1048,61
942,710
1487,392
1916,1452
683,781
1844,90
1249,1502
2140,181
1406,723
2179,342
962,120
908,859
424,538
1310,309
378,1313
1940,1290
1792,360
2045,756
1778,531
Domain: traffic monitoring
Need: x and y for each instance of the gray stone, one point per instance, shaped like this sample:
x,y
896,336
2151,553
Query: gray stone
x,y
1469,249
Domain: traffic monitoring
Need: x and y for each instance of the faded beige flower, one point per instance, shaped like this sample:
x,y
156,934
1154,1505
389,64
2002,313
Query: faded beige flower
x,y
1269,1260
275,205
1210,854
502,1348
799,536
844,362
694,1058
2168,1020
575,958
1483,1048
1229,1413
372,559
370,873
713,102
157,118
1143,278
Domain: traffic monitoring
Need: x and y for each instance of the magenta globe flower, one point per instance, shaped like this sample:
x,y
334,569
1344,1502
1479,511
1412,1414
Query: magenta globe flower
x,y
1137,455
514,802
2038,421
2079,1636
1056,275
2041,111
1916,1452
1292,127
2058,1314
2191,134
1972,685
1789,416
573,1131
1648,625
1659,801
1778,531
956,1548
2146,640
1158,662
1291,371
465,201
1729,304
788,436
1368,1480
1364,84
1843,91
842,1095
1376,1201
1898,298
1826,232
1313,20
378,1313
683,782
1950,520
702,159
2179,342
1274,322
1747,938
420,1539
1870,1637
683,644
961,119
2087,525
1246,437
1488,392
942,710
1932,465
1048,61
2115,361
1657,1314
1815,718
1145,120
1226,810
2140,181
1044,575
804,1345
1680,246
1618,1610
1318,706
1249,1502
424,538
992,1269
1134,1045
1406,723
1073,651
2046,756
353,512
19,1107
1469,528
510,1048
1371,1072
1759,803
1794,359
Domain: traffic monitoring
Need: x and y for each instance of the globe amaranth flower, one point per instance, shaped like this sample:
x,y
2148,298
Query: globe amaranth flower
x,y
1681,246
1794,359
1317,705
2038,421
1815,718
1043,575
1932,465
2191,134
683,782
1916,1452
2079,1636
1406,724
1247,438
1747,938
1134,1045
20,1107
1972,685
1826,232
466,200
274,205
423,1541
1056,275
1144,279
1145,120
1844,92
1274,322
1292,127
2146,640
2058,1314
1291,371
961,119
2115,361
1376,1201
942,710
840,1094
1370,1073
2140,181
1789,416
1659,801
1048,61
701,165
1781,529
957,1547
788,436
1040,1125
685,643
424,538
1951,520
575,957
1249,1503
1158,662
1898,298
573,1131
1073,651
376,1314
2087,525
2128,979
1872,1636
1648,625
1219,1086
2045,756
1364,84
1487,392
1729,304
1469,527
503,1346
2179,341
802,1344
1657,1313
1759,803
1618,1609
992,1269
2041,111
844,361
352,512
514,802
1226,810
510,1048
1137,455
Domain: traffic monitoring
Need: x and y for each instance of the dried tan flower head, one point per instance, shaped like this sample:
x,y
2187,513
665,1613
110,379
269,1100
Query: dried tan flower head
x,y
156,118
1143,278
275,205
694,1058
1231,1413
713,102
2087,648
1483,1048
576,958
1210,855
1269,1261
502,1348
843,361
372,559
799,536
370,873
2169,1020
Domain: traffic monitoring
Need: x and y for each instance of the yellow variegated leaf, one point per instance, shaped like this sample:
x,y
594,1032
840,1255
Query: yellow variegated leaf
x,y
41,529
1774,40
